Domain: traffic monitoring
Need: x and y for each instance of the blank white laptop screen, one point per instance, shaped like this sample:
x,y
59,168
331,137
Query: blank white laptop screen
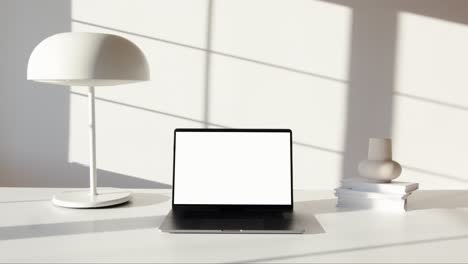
x,y
232,168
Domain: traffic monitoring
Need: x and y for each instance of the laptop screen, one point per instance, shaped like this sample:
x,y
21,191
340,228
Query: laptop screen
x,y
232,167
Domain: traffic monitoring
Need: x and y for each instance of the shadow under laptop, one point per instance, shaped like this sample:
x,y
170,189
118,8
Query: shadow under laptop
x,y
310,223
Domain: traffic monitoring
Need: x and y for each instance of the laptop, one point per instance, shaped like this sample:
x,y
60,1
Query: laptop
x,y
232,181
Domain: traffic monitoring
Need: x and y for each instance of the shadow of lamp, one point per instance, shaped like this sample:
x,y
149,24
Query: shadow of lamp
x,y
88,59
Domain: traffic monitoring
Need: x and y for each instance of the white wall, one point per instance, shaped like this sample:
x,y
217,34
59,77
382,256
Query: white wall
x,y
336,72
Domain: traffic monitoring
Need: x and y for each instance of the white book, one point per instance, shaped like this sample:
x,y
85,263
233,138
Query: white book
x,y
350,193
381,205
360,184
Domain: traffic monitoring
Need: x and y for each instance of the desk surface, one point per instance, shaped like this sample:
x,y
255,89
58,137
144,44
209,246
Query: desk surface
x,y
435,229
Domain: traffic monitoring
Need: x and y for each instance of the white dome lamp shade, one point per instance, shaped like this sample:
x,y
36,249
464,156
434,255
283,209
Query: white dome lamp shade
x,y
88,59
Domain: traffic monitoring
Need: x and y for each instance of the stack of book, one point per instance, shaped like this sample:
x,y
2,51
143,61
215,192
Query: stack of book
x,y
361,194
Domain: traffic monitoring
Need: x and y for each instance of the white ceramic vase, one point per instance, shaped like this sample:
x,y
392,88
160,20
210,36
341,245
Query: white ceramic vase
x,y
379,166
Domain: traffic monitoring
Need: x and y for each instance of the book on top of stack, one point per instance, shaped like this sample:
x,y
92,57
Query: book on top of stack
x,y
360,193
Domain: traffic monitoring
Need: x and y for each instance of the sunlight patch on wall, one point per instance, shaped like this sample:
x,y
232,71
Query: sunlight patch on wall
x,y
430,103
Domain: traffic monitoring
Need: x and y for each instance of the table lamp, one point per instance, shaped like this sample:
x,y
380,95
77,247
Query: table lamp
x,y
88,59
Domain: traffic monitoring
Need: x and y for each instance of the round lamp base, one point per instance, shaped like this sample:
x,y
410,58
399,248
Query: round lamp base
x,y
82,199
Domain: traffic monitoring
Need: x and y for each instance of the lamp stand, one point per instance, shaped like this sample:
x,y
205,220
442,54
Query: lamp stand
x,y
95,197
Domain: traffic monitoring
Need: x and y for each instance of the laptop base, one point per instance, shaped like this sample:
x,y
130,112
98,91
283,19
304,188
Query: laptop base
x,y
240,223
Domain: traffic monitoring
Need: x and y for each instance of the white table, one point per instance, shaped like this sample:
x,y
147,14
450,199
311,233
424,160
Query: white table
x,y
33,230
